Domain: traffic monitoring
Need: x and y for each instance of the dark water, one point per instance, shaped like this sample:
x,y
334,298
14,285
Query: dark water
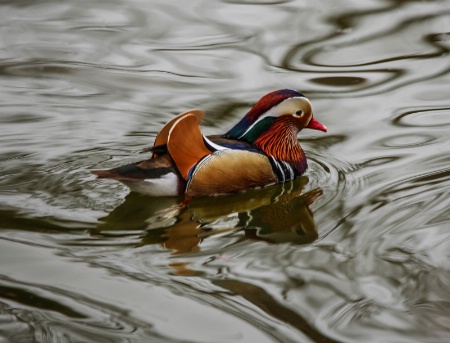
x,y
358,250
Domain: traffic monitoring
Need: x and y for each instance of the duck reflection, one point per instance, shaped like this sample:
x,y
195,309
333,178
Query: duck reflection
x,y
275,214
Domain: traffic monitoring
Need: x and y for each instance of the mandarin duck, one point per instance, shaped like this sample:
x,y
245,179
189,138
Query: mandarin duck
x,y
262,149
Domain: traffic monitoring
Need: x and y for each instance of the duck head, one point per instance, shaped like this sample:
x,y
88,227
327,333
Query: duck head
x,y
285,105
273,123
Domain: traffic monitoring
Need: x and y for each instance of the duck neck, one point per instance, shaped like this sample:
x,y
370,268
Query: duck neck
x,y
281,143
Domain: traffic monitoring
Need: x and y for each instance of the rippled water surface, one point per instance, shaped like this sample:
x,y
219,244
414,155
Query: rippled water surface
x,y
357,250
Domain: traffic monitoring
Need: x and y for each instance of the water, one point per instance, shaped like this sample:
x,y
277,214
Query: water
x,y
357,250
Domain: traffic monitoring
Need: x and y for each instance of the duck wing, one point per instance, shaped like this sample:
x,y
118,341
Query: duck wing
x,y
216,166
149,169
199,165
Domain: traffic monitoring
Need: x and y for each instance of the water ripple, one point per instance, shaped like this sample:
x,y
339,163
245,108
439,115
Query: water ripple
x,y
354,251
355,48
426,117
32,313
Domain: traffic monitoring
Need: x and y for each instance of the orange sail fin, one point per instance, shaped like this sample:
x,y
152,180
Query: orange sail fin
x,y
163,135
185,143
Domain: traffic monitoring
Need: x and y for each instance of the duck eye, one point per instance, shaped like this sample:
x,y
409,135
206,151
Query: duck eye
x,y
298,113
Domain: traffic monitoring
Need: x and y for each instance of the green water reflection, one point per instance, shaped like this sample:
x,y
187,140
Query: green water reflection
x,y
275,214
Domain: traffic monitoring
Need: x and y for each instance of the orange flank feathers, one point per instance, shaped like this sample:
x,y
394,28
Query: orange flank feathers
x,y
230,171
